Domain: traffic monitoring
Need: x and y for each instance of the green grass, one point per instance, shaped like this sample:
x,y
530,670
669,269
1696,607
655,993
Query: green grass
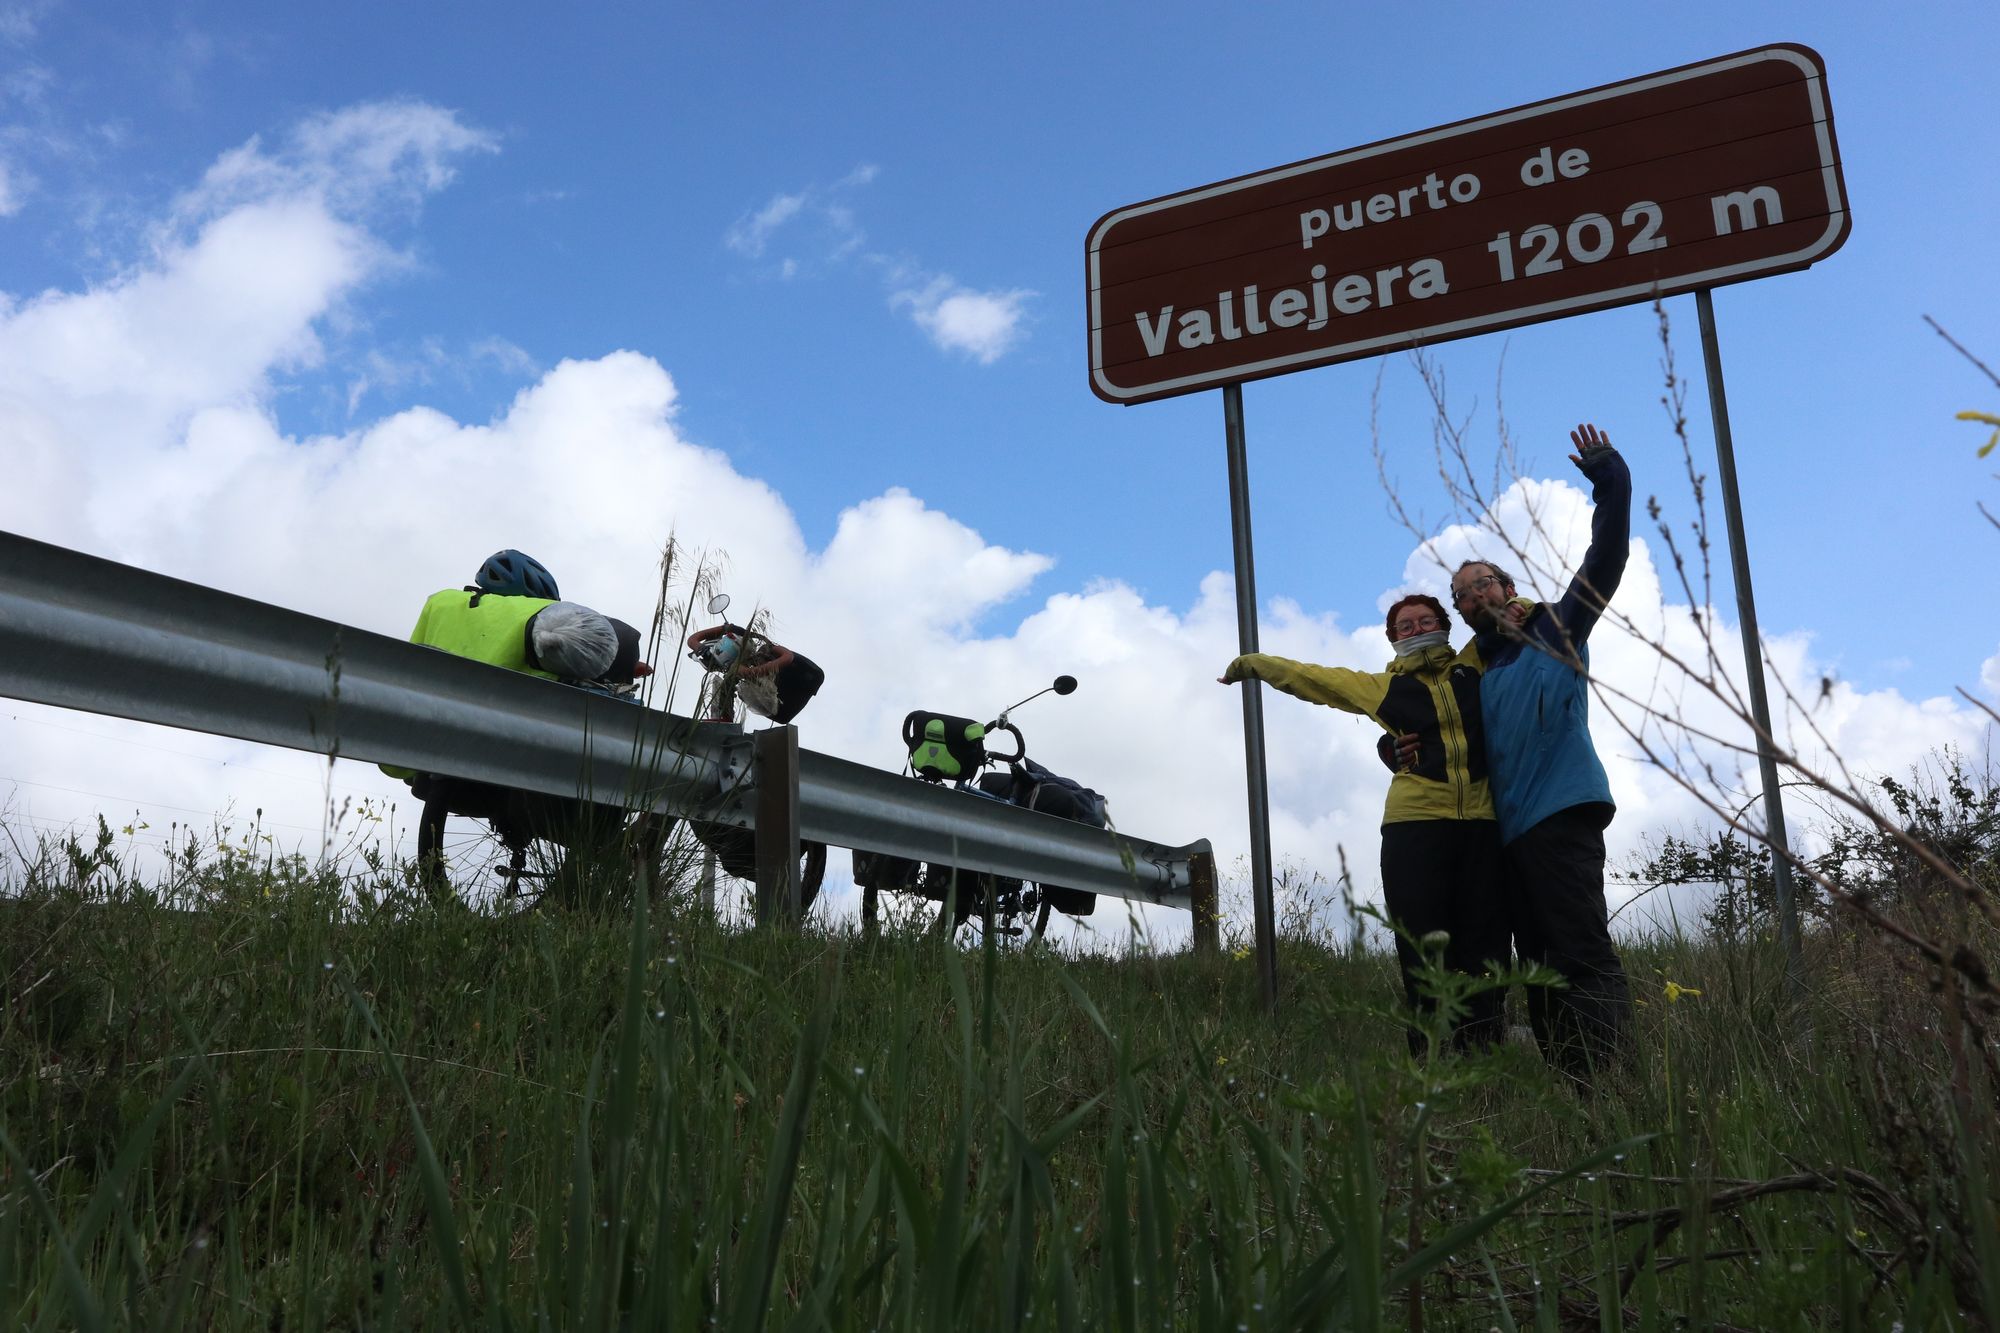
x,y
281,1112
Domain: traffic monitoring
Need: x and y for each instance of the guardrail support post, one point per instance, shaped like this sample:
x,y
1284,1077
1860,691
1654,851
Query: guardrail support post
x,y
1202,905
776,756
705,884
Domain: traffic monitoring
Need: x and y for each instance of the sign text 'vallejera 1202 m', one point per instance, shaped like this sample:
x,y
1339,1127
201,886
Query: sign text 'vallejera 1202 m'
x,y
1686,179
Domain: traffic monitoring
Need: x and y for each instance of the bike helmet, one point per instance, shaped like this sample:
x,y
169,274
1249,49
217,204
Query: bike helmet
x,y
511,574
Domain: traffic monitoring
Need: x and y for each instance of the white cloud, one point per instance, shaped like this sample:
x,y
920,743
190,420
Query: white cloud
x,y
982,325
139,422
20,20
509,357
431,362
112,382
28,133
1989,675
184,65
29,85
752,233
350,163
818,215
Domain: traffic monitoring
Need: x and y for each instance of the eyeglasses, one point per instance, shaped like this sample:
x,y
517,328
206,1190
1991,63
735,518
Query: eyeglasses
x,y
1471,590
1421,625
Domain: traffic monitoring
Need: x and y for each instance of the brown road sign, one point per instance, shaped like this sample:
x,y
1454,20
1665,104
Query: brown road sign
x,y
1693,177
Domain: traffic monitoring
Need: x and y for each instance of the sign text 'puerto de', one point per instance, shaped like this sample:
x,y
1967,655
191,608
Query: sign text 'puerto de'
x,y
1687,179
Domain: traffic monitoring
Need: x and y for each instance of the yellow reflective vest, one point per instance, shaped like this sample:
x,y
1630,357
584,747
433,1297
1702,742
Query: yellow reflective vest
x,y
1433,693
482,626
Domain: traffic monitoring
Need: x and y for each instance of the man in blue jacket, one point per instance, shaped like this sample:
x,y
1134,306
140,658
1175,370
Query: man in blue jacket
x,y
1550,792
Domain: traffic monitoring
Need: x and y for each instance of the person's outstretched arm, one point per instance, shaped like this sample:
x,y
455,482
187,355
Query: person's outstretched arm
x,y
1336,687
1597,578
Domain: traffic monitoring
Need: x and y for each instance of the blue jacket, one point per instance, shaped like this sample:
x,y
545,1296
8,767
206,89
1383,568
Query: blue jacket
x,y
1535,697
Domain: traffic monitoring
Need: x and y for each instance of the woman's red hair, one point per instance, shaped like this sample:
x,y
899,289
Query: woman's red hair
x,y
1417,599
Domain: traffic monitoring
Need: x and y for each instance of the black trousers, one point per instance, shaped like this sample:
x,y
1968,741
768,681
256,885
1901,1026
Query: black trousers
x,y
1446,874
1555,882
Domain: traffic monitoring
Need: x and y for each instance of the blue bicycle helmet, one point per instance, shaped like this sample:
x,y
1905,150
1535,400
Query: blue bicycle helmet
x,y
511,574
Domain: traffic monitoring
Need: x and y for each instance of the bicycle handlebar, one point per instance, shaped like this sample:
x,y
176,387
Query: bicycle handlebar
x,y
761,657
1020,744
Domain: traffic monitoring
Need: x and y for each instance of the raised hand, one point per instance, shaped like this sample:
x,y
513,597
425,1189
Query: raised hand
x,y
1590,444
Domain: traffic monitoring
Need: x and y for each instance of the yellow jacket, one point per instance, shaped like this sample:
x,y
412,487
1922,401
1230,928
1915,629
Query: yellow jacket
x,y
1434,693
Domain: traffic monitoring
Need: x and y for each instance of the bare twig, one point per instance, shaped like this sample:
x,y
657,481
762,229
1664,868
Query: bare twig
x,y
1960,348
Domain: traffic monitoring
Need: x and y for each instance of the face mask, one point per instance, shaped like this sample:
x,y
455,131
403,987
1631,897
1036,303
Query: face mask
x,y
1417,643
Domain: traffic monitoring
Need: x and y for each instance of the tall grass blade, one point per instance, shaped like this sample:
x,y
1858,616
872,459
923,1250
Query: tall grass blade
x,y
1361,1211
911,1197
620,1118
171,1315
437,1193
109,1191
948,1240
1503,1318
1977,1203
1053,1137
758,1258
82,1300
1435,1253
1313,1293
582,1198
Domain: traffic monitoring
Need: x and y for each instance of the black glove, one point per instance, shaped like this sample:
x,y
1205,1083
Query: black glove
x,y
1593,449
1385,750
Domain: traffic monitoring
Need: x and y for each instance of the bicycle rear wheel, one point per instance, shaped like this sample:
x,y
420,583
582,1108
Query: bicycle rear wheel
x,y
1041,922
736,852
591,853
433,863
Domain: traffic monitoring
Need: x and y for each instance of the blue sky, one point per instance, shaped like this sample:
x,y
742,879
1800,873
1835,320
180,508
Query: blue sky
x,y
851,237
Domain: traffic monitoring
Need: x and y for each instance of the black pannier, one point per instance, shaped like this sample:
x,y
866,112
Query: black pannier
x,y
798,681
943,747
1033,787
781,697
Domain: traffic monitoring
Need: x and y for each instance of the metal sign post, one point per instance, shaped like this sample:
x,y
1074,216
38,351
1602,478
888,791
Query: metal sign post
x,y
1253,702
1753,656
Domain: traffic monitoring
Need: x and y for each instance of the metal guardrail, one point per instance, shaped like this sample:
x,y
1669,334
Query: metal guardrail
x,y
82,632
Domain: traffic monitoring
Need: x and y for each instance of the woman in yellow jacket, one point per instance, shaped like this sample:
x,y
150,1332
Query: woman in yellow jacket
x,y
1440,844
